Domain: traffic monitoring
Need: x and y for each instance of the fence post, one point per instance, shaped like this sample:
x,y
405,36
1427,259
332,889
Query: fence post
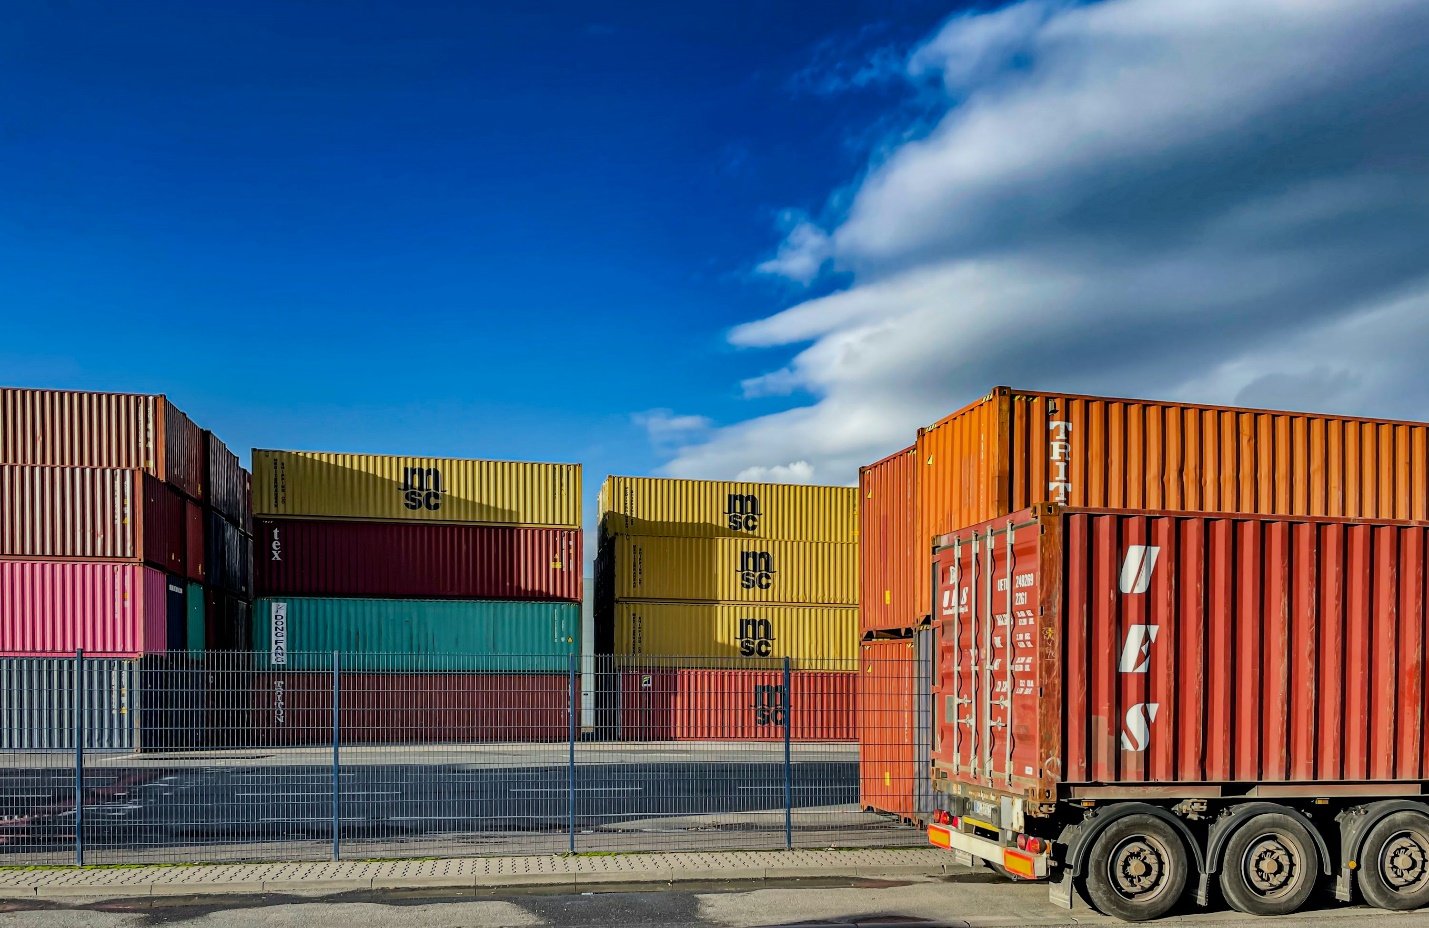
x,y
571,779
336,794
788,767
79,757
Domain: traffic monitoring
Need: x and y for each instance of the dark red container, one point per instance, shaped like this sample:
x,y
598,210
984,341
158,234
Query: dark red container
x,y
407,708
304,557
194,563
1187,650
676,704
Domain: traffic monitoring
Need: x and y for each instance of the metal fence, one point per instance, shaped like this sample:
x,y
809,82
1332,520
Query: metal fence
x,y
227,756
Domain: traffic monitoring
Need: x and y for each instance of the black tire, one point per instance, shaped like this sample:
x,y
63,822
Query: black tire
x,y
1394,863
1136,869
1271,865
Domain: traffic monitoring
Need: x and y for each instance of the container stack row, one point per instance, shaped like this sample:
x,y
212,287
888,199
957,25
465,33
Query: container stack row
x,y
726,580
126,528
1011,451
444,592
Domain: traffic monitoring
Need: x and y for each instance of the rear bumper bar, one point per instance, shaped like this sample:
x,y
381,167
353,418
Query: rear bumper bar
x,y
1018,863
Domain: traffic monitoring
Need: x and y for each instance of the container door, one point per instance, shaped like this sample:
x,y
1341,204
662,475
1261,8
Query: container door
x,y
177,615
988,611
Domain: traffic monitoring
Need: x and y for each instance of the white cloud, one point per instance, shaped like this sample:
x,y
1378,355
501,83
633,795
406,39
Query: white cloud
x,y
793,472
1216,200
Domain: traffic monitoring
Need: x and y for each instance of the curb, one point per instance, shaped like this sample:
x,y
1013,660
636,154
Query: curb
x,y
573,881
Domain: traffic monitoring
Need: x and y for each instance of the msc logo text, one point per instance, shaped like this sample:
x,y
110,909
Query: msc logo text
x,y
422,488
771,704
742,511
756,570
756,638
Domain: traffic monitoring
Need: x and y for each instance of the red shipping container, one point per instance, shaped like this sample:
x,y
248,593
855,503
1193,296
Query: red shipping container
x,y
90,512
194,564
108,609
308,557
70,428
410,708
1122,648
889,577
676,704
887,769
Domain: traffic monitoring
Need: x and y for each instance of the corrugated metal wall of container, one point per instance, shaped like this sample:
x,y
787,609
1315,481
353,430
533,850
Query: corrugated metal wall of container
x,y
734,570
106,608
889,578
813,637
70,428
683,704
229,484
307,557
403,635
727,509
385,487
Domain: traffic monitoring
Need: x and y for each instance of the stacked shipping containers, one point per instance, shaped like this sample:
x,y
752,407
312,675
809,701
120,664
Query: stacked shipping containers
x,y
1012,450
704,587
123,532
451,588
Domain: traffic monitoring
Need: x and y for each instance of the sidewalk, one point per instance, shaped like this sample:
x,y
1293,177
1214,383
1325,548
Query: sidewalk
x,y
317,878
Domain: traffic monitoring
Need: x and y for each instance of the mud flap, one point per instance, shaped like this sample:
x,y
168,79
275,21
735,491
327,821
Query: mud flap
x,y
964,859
1345,885
1203,889
1060,891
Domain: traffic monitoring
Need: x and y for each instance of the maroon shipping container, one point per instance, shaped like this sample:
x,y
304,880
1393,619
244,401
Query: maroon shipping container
x,y
88,512
194,546
889,577
229,485
69,428
303,557
677,704
108,609
410,708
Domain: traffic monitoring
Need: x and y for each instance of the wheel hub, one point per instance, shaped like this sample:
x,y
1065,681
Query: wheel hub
x,y
1138,868
1270,865
1404,862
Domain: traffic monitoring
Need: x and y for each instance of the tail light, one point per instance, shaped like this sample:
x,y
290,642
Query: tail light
x,y
1022,842
1030,844
942,818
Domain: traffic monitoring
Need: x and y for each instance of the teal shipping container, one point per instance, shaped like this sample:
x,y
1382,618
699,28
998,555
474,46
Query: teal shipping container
x,y
195,618
414,635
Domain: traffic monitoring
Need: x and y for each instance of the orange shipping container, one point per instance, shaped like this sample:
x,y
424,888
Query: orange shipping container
x,y
889,577
68,428
1011,450
886,766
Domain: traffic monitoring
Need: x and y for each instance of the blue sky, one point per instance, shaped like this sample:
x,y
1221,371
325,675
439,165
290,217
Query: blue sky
x,y
473,229
757,239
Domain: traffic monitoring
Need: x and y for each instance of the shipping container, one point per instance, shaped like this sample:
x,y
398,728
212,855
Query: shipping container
x,y
195,542
888,553
38,704
294,708
378,486
399,635
87,512
728,509
304,557
107,608
229,484
683,704
813,637
895,727
195,618
1013,449
227,622
66,428
732,570
228,556
1216,667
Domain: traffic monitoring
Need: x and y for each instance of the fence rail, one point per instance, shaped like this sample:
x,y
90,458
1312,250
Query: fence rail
x,y
231,756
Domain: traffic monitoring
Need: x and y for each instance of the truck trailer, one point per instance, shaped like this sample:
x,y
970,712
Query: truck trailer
x,y
1139,706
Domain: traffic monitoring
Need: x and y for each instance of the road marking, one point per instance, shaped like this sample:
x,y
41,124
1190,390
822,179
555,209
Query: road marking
x,y
581,789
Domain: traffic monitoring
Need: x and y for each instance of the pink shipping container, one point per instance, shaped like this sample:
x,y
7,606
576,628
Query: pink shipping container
x,y
677,704
108,609
69,428
307,557
88,512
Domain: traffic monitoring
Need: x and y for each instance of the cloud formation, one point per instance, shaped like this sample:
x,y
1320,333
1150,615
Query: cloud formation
x,y
1210,200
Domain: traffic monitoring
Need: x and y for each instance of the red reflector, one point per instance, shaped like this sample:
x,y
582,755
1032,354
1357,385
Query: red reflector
x,y
956,821
1034,846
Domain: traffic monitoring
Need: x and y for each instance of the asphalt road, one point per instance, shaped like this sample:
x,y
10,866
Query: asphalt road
x,y
968,899
135,811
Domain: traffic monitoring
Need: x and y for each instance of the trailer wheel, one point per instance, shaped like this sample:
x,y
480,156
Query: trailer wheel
x,y
1270,866
1394,864
1136,869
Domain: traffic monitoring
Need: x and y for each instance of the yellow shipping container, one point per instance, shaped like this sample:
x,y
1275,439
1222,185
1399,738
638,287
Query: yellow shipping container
x,y
378,486
724,509
740,570
813,637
